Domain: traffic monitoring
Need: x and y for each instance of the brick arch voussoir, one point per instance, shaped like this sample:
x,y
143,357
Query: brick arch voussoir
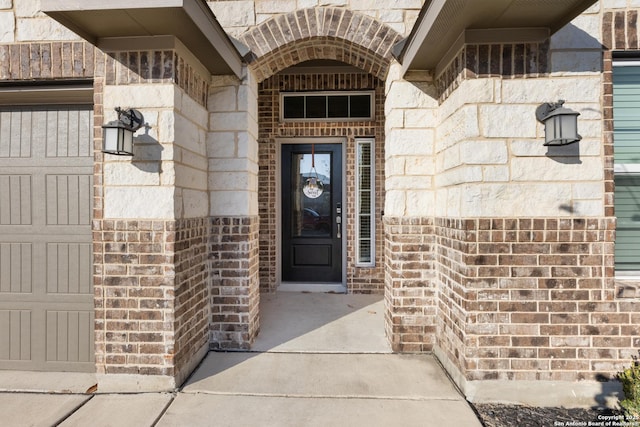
x,y
330,33
311,49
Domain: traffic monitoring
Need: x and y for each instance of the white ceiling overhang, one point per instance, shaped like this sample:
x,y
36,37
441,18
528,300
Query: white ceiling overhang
x,y
112,24
445,25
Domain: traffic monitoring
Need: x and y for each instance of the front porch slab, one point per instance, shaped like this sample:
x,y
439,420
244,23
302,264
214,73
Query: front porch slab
x,y
321,323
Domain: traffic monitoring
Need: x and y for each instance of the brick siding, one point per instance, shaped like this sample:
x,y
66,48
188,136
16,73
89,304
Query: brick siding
x,y
134,287
144,67
411,292
518,299
233,250
48,60
158,282
361,280
192,288
320,33
531,299
507,60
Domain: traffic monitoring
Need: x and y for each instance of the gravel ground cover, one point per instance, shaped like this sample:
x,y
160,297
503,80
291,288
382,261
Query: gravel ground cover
x,y
492,415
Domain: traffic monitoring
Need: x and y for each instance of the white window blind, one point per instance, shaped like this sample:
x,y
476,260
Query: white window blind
x,y
365,191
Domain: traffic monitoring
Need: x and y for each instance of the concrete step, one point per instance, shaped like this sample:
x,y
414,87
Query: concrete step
x,y
228,411
307,389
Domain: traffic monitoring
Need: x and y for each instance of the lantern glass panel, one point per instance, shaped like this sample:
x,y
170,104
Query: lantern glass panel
x,y
569,128
550,130
127,146
110,136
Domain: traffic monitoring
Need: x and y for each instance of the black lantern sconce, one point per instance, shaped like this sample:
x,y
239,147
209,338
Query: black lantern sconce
x,y
560,123
118,134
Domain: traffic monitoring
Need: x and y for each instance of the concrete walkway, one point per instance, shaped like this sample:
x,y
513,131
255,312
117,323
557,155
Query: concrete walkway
x,y
302,376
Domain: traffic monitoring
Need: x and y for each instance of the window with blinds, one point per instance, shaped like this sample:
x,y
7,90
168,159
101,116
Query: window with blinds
x,y
626,128
365,204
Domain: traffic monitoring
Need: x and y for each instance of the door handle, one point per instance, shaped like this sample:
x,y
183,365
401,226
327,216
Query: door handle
x,y
339,220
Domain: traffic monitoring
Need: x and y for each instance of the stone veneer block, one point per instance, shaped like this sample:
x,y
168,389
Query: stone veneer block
x,y
39,29
7,27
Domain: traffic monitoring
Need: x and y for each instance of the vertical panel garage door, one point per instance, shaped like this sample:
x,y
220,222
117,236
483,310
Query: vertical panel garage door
x,y
46,296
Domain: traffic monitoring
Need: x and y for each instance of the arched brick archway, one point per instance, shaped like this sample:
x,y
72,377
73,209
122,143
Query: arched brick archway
x,y
320,33
316,34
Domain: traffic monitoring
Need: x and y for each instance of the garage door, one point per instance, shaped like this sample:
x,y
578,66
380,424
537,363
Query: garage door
x,y
46,296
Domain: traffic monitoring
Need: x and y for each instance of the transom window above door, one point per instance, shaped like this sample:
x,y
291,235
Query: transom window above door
x,y
326,106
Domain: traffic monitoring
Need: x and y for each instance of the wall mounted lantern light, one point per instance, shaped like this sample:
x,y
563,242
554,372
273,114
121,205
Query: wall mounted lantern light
x,y
118,134
560,123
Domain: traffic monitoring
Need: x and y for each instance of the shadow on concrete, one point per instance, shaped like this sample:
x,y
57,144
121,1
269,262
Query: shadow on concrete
x,y
321,323
610,394
312,323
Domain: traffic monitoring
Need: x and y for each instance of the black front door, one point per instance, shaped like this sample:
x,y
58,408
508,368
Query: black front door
x,y
312,213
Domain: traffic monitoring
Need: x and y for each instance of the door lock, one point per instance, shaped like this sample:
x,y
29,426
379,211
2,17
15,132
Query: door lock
x,y
338,220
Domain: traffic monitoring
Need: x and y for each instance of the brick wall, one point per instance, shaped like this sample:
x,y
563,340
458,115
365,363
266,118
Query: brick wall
x,y
158,283
320,33
192,289
233,251
358,279
410,281
531,299
48,60
81,60
156,66
509,60
517,299
135,297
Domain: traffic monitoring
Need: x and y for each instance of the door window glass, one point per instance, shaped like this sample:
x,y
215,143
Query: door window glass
x,y
311,216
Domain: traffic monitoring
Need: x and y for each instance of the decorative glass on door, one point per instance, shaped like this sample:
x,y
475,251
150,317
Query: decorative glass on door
x,y
311,206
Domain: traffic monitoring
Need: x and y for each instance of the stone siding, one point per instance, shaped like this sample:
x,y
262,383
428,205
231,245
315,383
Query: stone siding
x,y
232,147
22,21
238,16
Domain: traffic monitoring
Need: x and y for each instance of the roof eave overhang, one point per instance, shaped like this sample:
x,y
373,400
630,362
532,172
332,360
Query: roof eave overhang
x,y
111,24
444,26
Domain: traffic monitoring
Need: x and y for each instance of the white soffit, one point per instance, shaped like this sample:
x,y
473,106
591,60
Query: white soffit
x,y
112,22
443,22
